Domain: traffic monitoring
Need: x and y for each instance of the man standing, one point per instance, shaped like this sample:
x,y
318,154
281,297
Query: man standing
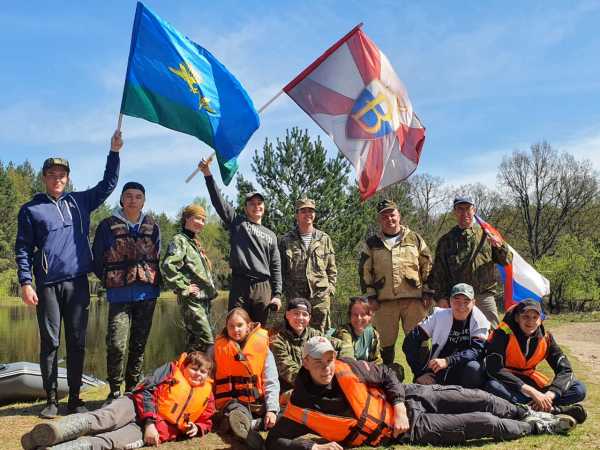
x,y
308,265
254,257
52,245
126,255
393,267
353,403
466,254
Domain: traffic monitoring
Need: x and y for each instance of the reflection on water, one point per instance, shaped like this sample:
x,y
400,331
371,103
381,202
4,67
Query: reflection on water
x,y
19,335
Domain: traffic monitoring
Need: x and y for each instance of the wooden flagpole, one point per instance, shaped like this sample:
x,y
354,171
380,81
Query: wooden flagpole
x,y
195,172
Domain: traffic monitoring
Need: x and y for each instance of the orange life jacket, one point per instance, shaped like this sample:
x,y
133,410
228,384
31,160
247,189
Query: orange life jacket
x,y
373,415
178,402
130,258
516,363
239,371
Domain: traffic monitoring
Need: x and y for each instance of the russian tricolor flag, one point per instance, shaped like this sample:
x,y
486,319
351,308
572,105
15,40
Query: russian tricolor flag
x,y
520,279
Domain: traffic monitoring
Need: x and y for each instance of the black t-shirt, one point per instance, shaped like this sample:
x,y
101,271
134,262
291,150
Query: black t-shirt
x,y
459,338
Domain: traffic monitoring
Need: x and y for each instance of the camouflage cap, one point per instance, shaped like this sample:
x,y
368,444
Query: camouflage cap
x,y
193,210
385,205
55,162
305,203
464,289
253,194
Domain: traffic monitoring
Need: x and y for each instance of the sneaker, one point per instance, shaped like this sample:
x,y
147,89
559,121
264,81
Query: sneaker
x,y
576,411
239,423
560,424
76,406
540,415
50,411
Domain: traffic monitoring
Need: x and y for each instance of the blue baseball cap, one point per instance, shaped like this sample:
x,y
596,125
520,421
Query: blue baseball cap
x,y
463,199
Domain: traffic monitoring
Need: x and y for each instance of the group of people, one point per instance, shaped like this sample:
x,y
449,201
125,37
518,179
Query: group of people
x,y
473,376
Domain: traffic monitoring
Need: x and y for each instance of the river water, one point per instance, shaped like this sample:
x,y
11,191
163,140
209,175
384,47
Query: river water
x,y
19,335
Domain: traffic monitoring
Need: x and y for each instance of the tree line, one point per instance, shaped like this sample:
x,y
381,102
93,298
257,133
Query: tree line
x,y
545,203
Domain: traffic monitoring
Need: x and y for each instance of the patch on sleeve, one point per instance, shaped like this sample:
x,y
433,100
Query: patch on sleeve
x,y
172,249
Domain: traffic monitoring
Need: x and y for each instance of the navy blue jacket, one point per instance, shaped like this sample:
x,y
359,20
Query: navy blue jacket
x,y
52,235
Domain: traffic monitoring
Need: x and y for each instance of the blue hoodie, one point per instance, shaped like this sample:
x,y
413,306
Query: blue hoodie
x,y
52,235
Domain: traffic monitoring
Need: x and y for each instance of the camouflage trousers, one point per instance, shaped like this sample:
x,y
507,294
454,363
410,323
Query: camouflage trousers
x,y
320,316
128,323
196,320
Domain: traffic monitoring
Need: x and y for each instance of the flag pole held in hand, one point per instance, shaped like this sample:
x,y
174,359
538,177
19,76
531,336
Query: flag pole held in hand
x,y
193,174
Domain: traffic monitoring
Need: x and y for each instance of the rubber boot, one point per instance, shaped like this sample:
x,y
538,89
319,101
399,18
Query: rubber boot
x,y
79,444
66,429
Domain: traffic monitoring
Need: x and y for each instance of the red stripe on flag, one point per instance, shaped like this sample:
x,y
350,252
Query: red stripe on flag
x,y
314,98
508,287
288,87
372,171
366,57
411,142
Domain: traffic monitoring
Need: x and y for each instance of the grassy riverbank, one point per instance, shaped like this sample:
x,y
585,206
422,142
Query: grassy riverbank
x,y
17,419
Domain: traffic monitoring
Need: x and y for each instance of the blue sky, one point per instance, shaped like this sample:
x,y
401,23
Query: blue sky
x,y
485,78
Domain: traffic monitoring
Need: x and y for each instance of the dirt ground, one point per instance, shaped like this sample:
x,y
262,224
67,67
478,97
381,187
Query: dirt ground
x,y
583,341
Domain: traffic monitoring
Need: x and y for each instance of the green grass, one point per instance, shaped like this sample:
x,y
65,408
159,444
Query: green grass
x,y
17,419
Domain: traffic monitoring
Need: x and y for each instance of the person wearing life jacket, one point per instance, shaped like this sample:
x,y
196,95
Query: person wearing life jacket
x,y
353,403
246,384
175,402
126,254
513,352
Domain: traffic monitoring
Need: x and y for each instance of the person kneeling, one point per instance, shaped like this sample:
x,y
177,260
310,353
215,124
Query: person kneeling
x,y
156,411
458,336
353,403
514,350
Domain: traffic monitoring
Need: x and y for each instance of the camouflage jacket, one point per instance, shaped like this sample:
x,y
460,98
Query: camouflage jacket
x,y
185,263
397,272
286,347
309,272
451,264
373,351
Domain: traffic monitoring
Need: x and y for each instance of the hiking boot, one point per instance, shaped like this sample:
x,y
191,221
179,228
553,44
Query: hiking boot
x,y
239,423
560,424
27,442
50,411
576,411
79,444
66,429
76,406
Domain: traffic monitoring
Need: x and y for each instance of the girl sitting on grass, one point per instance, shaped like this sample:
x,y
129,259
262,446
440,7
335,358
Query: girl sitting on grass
x,y
246,381
359,333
